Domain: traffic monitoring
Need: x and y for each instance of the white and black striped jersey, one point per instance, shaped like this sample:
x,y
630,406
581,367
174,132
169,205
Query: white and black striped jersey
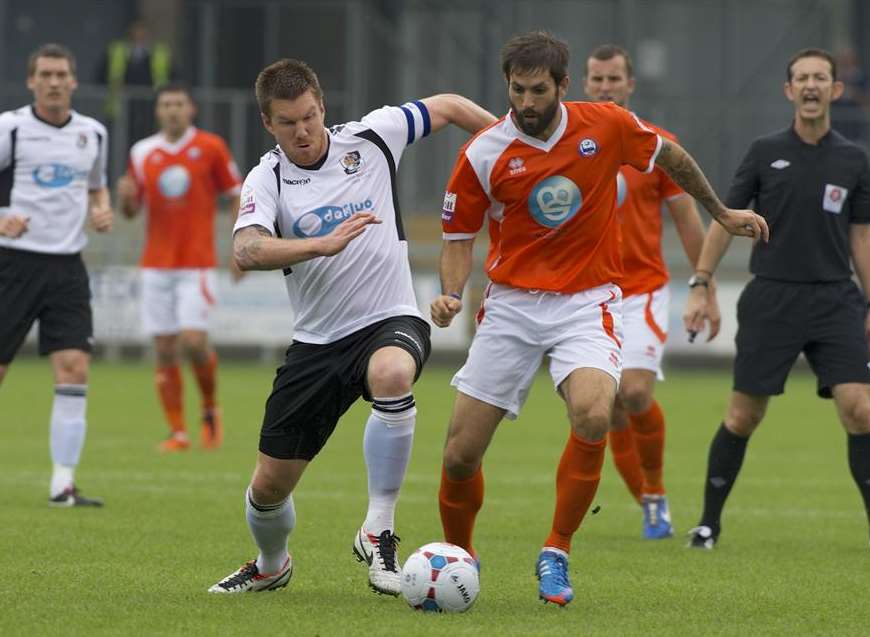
x,y
369,280
46,172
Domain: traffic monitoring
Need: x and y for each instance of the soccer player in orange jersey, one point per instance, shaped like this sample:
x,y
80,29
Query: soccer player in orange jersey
x,y
177,176
637,434
544,179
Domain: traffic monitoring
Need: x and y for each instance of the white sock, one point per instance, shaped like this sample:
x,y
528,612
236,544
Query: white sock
x,y
67,435
387,445
270,526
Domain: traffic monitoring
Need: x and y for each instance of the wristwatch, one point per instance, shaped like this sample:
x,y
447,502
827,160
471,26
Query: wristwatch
x,y
696,280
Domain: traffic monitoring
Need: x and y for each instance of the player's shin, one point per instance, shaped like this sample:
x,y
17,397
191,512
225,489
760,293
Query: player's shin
x,y
170,391
459,502
576,483
68,427
270,527
723,465
626,459
649,437
387,443
859,465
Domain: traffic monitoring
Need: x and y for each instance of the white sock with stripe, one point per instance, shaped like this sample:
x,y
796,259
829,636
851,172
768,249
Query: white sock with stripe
x,y
67,436
270,526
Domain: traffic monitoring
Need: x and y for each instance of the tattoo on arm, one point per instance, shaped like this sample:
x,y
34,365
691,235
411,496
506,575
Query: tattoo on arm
x,y
248,246
685,172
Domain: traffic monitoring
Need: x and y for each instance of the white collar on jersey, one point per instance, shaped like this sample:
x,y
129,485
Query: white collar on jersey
x,y
534,141
178,144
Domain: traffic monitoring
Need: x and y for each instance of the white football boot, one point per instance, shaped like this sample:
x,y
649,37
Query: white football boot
x,y
380,552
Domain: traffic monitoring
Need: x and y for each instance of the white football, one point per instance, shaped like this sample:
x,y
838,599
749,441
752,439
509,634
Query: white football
x,y
440,577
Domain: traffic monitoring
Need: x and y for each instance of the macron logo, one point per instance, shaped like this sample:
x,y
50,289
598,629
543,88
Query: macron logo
x,y
779,164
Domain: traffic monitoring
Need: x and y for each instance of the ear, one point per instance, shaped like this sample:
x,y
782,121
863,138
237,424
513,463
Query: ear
x,y
837,93
31,82
631,84
789,93
267,122
563,87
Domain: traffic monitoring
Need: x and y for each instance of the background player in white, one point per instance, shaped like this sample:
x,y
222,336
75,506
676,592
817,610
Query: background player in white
x,y
323,207
52,179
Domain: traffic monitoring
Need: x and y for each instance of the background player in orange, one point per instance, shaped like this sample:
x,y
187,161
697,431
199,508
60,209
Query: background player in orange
x,y
637,434
177,175
544,177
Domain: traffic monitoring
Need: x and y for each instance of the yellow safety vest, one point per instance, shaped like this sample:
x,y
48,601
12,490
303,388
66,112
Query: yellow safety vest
x,y
118,56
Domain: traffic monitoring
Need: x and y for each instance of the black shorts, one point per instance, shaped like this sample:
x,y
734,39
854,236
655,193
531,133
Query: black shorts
x,y
777,320
318,383
50,288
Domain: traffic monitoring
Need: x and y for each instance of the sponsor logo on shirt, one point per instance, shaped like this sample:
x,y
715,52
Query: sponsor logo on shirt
x,y
554,201
351,162
834,198
448,206
516,166
587,147
296,182
621,189
246,204
779,164
321,221
174,181
56,175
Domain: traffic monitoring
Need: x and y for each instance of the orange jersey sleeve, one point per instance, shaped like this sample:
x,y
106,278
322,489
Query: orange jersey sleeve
x,y
465,202
225,173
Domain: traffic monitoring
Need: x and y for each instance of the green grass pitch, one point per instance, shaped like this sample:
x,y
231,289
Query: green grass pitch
x,y
794,557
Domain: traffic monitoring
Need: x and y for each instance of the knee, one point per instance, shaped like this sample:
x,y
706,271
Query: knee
x,y
856,416
636,397
72,369
591,421
266,490
460,461
743,421
387,378
195,347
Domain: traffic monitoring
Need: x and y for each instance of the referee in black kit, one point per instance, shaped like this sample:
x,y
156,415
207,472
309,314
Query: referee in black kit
x,y
813,188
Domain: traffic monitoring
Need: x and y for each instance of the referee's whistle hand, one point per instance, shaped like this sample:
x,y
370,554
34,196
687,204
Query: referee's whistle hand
x,y
745,223
443,309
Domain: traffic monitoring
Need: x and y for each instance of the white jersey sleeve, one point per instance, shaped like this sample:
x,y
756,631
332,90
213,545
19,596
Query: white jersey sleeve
x,y
258,203
400,126
97,177
6,126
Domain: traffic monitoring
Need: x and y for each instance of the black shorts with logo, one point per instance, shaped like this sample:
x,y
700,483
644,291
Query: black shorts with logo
x,y
777,320
50,288
318,383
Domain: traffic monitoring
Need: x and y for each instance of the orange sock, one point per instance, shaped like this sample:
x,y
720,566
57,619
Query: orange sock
x,y
459,501
649,438
206,378
626,460
169,389
576,483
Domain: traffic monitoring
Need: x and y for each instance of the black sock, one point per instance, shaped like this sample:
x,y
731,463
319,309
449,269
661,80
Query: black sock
x,y
859,464
723,465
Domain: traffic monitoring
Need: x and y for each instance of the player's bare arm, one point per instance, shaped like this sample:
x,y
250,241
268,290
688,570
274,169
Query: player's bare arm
x,y
235,272
449,108
254,247
13,226
699,309
128,196
455,268
859,244
100,210
680,166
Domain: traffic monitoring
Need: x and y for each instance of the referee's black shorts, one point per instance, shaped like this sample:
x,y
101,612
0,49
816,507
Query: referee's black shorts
x,y
777,320
318,383
50,288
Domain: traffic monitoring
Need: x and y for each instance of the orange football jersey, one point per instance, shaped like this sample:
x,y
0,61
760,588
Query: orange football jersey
x,y
179,184
639,201
551,204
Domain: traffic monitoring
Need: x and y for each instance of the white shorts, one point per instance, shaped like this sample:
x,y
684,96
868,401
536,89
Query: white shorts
x,y
645,323
516,328
176,299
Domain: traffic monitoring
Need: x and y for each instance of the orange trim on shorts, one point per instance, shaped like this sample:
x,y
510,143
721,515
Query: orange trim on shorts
x,y
651,320
481,312
607,321
203,287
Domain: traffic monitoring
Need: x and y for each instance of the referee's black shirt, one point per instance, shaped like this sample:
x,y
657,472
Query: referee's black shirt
x,y
809,195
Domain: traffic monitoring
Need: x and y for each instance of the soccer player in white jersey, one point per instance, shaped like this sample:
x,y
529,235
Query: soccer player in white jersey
x,y
52,180
323,207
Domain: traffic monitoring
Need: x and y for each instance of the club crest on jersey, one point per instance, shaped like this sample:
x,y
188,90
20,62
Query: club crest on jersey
x,y
351,162
82,141
321,221
587,147
554,201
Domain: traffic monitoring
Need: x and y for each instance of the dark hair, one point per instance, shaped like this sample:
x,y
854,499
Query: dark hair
x,y
51,51
812,53
535,51
285,80
173,87
608,52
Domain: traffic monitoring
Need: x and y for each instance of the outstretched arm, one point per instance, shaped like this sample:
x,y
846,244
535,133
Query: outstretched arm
x,y
254,247
449,108
685,171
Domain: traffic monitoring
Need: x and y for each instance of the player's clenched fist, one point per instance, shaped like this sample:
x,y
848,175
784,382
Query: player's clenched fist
x,y
443,309
347,231
13,226
101,218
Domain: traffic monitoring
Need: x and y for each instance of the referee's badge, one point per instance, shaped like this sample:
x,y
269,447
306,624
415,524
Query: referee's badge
x,y
834,198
